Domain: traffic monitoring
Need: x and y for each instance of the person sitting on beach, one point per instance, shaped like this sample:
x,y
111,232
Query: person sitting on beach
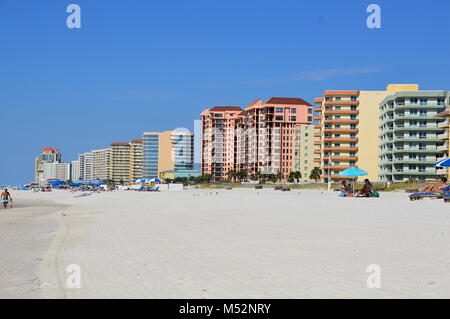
x,y
366,190
6,197
345,188
437,188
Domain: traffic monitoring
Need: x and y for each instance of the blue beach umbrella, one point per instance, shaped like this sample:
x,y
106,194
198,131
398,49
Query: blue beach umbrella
x,y
153,180
443,163
56,182
352,172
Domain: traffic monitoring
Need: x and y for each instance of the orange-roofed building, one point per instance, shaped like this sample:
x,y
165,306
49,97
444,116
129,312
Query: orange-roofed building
x,y
259,139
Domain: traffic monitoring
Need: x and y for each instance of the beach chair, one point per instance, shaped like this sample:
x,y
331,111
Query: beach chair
x,y
419,196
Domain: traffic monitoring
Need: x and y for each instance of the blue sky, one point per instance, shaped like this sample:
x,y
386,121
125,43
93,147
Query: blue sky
x,y
138,66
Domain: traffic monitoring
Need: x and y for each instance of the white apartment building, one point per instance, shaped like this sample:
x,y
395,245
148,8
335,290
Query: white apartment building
x,y
101,163
55,170
86,166
75,170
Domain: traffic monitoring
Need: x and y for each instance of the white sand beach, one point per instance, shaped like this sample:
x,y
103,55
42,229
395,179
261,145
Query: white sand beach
x,y
240,243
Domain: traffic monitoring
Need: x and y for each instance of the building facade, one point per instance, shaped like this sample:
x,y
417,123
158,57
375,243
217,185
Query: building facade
x,y
348,130
258,140
167,151
75,170
304,150
120,163
48,155
86,166
101,163
412,135
56,171
136,159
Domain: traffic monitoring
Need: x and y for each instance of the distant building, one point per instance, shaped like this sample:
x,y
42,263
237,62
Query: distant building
x,y
412,137
136,159
86,166
48,155
258,140
120,163
349,130
55,170
180,173
165,151
75,170
304,150
101,163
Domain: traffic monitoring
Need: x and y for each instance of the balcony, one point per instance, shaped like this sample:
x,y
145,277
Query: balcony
x,y
340,139
337,167
340,130
443,136
341,121
347,112
443,148
349,149
443,124
348,102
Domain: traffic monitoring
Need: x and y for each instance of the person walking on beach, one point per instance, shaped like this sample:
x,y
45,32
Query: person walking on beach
x,y
6,197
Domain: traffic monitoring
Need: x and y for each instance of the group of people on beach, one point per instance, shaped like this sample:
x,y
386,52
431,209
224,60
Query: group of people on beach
x,y
347,189
6,198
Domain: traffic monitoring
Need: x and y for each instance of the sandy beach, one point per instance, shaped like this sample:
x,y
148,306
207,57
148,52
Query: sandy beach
x,y
240,243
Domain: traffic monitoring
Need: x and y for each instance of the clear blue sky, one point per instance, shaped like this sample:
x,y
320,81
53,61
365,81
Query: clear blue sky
x,y
138,66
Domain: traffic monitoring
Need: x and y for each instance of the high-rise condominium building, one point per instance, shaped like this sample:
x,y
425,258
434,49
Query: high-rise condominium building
x,y
304,150
445,137
259,139
101,163
55,170
120,162
166,151
348,129
86,166
48,155
412,139
75,170
136,161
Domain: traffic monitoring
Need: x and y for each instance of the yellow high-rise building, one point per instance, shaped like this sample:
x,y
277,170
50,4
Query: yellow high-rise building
x,y
348,128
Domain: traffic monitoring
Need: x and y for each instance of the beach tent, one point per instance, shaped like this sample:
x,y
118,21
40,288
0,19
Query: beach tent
x,y
353,172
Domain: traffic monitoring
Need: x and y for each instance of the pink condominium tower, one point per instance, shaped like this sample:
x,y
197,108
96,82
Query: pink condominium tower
x,y
258,139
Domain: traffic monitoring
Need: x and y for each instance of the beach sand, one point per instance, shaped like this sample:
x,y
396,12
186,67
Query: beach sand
x,y
240,243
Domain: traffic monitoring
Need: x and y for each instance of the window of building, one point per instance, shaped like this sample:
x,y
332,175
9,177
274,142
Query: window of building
x,y
423,101
279,110
413,100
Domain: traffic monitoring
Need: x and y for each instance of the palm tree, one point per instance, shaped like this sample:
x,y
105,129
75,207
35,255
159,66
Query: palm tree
x,y
279,176
294,176
315,174
231,175
242,174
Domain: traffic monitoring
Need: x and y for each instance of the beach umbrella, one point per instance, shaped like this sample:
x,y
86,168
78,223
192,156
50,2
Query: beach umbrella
x,y
443,163
56,182
353,172
153,180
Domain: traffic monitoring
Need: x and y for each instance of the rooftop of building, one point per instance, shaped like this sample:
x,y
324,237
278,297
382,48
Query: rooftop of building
x,y
50,150
287,100
226,108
